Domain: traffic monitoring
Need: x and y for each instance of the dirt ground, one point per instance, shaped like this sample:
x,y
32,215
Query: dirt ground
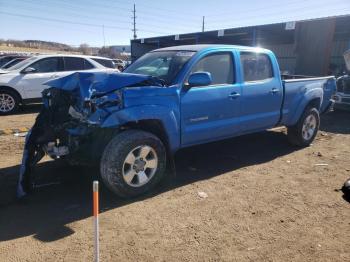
x,y
267,201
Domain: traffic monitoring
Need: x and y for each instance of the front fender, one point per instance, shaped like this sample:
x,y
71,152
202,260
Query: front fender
x,y
304,100
167,116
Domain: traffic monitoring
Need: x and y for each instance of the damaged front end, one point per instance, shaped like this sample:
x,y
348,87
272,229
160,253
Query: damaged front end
x,y
69,124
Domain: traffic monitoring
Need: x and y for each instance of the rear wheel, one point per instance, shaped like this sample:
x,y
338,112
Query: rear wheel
x,y
9,102
305,131
133,163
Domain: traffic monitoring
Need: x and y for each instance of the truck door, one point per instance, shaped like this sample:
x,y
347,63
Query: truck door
x,y
262,92
211,112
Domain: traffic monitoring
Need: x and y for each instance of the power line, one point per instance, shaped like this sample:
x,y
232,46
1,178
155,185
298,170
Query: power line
x,y
275,12
144,16
270,15
72,22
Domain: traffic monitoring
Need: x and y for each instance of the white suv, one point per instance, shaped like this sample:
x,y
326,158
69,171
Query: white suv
x,y
23,83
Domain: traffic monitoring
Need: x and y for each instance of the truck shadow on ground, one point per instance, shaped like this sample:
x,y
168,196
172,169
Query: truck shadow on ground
x,y
336,122
29,109
47,213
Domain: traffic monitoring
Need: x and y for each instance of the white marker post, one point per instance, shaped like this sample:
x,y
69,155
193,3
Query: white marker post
x,y
95,212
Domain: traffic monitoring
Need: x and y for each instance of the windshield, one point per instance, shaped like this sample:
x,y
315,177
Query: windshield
x,y
22,63
162,64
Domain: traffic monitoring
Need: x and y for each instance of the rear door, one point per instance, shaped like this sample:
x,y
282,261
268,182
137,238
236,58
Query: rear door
x,y
262,92
211,112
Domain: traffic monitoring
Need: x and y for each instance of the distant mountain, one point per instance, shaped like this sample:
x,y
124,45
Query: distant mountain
x,y
47,44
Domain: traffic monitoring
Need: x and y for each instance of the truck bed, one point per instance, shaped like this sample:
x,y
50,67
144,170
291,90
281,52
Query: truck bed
x,y
296,88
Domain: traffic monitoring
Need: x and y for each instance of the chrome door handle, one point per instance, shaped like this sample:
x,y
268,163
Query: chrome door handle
x,y
234,95
274,90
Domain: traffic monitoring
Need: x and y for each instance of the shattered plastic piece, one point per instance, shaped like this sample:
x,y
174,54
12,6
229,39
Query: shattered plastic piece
x,y
202,194
321,164
21,134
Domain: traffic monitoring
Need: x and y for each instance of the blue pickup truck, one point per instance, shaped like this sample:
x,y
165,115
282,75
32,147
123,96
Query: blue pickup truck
x,y
132,123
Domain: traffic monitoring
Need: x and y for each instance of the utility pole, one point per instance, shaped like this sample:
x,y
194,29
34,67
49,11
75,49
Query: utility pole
x,y
134,23
203,24
104,38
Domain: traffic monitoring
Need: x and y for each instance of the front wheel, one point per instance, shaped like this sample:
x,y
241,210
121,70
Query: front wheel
x,y
133,163
305,131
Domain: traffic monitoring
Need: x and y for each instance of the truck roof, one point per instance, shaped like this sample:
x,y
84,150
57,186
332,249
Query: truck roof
x,y
201,47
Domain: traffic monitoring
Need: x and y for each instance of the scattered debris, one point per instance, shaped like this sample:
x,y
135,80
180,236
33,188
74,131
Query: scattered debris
x,y
346,187
23,134
319,154
321,164
288,161
202,194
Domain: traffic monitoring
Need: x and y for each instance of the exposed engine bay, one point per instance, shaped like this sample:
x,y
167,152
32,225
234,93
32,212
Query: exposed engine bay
x,y
69,124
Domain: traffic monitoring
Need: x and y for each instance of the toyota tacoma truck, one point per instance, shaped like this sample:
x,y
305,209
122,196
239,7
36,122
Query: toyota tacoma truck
x,y
130,124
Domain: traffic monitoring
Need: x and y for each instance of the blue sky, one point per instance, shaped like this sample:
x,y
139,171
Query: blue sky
x,y
81,21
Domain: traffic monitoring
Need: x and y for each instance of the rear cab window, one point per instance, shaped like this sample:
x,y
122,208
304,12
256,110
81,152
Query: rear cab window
x,y
256,66
219,65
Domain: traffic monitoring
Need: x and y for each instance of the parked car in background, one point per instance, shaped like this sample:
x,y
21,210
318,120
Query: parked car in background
x,y
106,62
342,96
7,58
13,62
132,124
24,82
120,64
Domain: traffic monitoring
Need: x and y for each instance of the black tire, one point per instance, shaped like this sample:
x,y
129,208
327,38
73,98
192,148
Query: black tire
x,y
8,94
295,133
116,152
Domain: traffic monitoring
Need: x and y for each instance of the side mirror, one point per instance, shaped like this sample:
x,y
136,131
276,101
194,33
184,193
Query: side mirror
x,y
28,70
200,79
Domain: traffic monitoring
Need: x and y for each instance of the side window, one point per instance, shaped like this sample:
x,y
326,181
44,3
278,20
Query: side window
x,y
46,65
73,64
256,67
219,65
105,62
88,65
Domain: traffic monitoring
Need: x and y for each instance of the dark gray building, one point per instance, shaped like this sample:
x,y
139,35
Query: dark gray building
x,y
308,47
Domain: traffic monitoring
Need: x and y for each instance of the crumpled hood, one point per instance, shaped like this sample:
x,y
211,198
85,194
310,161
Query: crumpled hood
x,y
89,83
